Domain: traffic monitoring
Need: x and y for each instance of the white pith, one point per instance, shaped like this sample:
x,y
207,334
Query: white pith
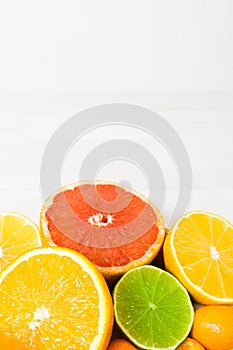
x,y
97,220
214,253
41,314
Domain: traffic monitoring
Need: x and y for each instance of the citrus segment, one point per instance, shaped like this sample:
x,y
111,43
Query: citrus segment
x,y
198,250
213,327
18,234
54,298
152,308
114,227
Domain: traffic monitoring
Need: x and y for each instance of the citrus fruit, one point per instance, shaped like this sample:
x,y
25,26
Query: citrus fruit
x,y
152,308
54,298
198,250
190,344
120,344
115,227
213,327
17,235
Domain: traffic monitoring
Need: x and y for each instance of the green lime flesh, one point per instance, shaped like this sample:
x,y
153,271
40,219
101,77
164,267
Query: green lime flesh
x,y
152,308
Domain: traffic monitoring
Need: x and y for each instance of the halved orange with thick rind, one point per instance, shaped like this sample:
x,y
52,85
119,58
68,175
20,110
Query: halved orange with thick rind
x,y
113,226
54,298
198,250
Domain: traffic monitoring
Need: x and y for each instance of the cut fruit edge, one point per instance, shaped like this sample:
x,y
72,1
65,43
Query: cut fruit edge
x,y
117,271
125,331
105,301
205,298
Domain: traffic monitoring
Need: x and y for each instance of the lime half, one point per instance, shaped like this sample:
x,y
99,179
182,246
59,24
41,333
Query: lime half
x,y
152,308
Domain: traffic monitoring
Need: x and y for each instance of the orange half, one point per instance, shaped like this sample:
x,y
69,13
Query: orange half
x,y
54,298
198,250
115,227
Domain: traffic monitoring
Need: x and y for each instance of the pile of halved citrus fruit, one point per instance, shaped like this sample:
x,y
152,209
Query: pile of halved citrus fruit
x,y
101,273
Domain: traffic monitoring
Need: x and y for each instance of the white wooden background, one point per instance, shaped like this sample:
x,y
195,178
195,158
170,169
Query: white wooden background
x,y
59,57
204,121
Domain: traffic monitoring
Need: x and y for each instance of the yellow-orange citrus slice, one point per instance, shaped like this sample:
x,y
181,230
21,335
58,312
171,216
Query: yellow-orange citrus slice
x,y
114,227
198,250
54,298
18,234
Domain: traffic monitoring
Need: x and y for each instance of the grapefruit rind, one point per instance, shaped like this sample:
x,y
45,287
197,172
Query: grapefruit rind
x,y
173,265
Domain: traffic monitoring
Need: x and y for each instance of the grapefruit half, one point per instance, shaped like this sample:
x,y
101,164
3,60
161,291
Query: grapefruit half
x,y
113,226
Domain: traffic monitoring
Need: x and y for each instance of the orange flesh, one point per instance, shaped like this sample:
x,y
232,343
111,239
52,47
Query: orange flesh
x,y
209,262
104,222
54,298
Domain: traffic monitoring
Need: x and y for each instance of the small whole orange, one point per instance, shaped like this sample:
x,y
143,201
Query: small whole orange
x,y
120,344
190,344
213,327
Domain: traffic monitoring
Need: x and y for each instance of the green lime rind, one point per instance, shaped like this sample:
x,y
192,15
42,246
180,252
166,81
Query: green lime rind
x,y
152,308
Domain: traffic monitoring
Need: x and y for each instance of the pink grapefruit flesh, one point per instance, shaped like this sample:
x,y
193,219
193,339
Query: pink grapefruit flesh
x,y
114,227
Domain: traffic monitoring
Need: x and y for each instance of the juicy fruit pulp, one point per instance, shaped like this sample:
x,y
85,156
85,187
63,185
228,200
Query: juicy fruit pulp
x,y
213,327
198,250
54,298
18,234
111,226
152,308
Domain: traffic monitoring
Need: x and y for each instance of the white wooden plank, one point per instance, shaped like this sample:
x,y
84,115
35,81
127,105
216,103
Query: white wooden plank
x,y
28,122
208,141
